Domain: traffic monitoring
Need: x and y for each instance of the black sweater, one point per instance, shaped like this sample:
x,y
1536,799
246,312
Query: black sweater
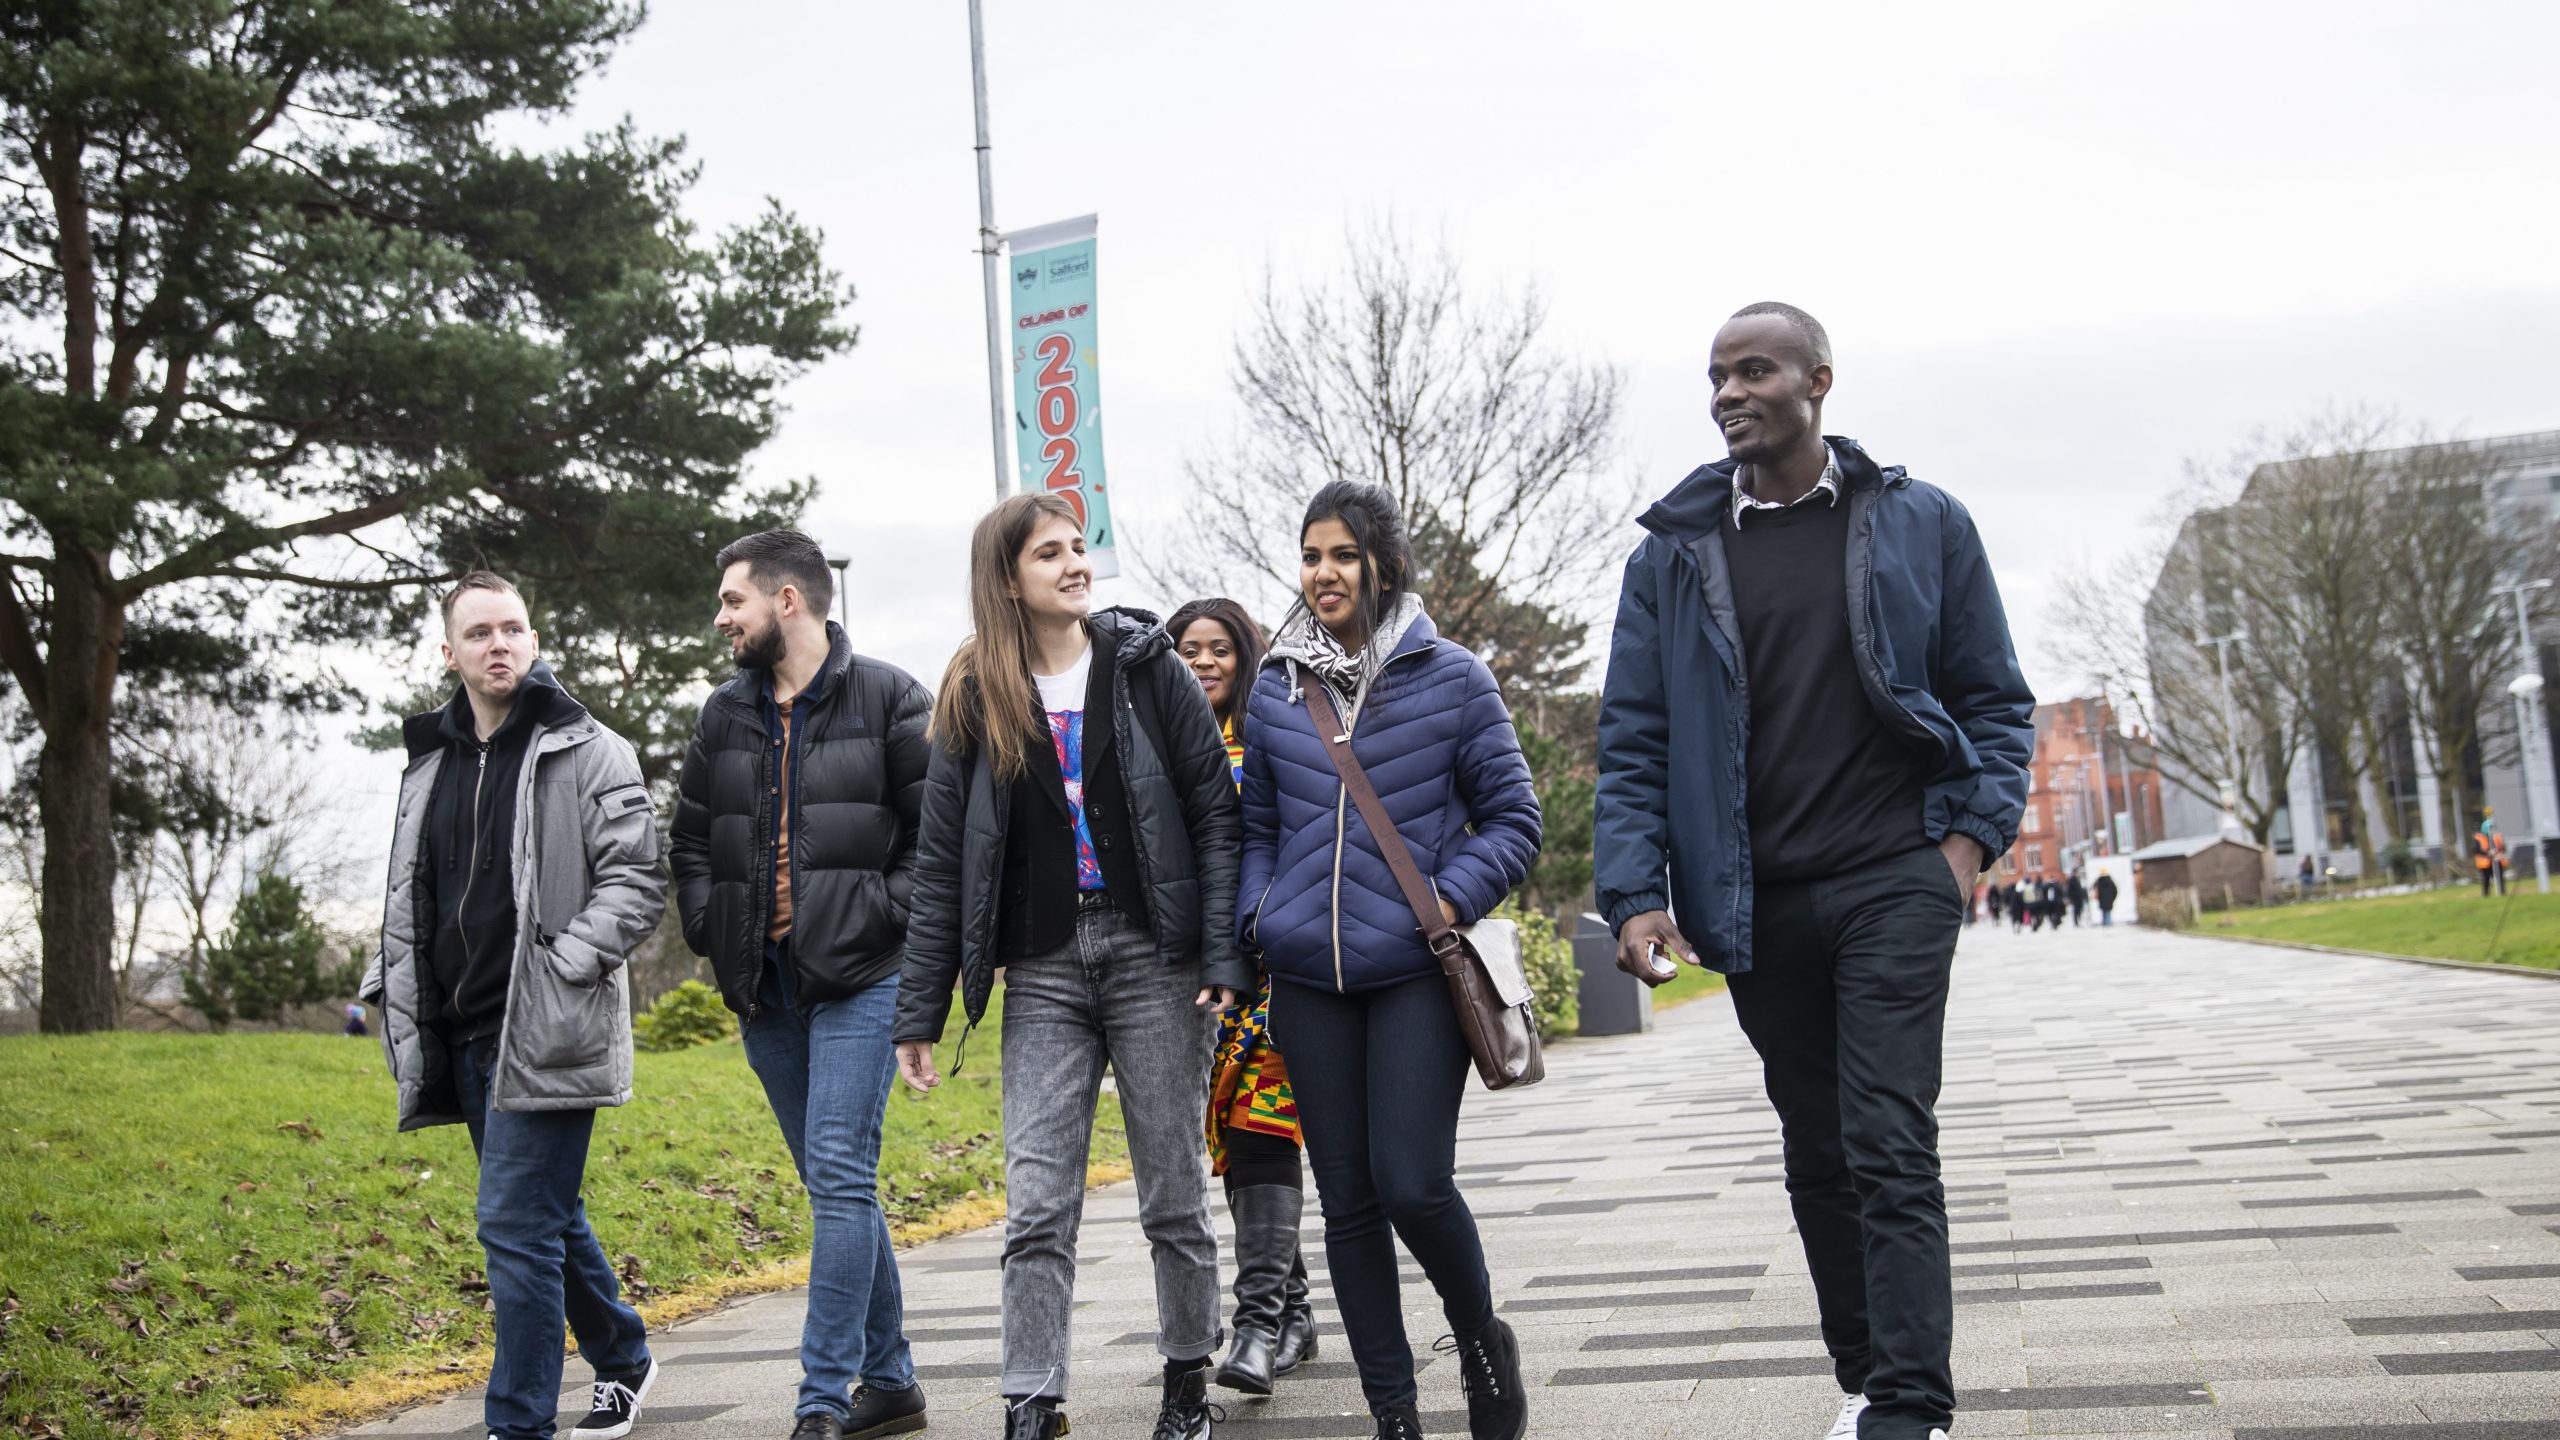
x,y
470,869
1827,787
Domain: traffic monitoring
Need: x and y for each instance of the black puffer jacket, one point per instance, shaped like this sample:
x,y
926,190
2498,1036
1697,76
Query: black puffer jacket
x,y
1182,811
856,788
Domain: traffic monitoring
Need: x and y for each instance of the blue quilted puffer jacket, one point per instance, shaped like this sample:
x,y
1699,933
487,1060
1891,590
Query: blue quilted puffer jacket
x,y
1315,897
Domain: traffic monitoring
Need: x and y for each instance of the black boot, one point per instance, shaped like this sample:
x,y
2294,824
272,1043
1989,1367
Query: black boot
x,y
1266,1242
1489,1373
1033,1420
1297,1320
1187,1413
1397,1422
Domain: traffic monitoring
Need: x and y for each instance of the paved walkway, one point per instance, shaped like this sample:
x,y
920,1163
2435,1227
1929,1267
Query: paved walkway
x,y
2199,1189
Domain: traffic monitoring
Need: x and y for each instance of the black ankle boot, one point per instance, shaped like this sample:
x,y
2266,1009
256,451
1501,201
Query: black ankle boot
x,y
1297,1343
1397,1422
1187,1413
1489,1373
1266,1242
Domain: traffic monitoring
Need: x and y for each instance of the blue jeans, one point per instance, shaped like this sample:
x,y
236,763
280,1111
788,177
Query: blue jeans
x,y
827,1070
545,1267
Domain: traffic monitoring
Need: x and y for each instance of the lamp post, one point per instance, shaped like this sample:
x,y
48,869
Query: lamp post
x,y
840,561
2230,729
2527,689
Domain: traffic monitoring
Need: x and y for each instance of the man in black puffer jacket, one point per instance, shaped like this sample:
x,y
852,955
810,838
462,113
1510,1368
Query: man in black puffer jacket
x,y
794,844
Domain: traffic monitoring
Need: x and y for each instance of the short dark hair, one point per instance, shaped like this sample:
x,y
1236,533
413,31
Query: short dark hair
x,y
776,558
474,580
1817,341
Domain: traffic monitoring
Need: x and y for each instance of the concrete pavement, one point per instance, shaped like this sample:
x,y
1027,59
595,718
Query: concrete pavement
x,y
2198,1190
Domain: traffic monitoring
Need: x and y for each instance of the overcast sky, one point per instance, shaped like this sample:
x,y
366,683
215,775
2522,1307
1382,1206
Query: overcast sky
x,y
2061,249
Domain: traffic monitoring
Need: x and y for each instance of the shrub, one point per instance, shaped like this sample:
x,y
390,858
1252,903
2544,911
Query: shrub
x,y
267,960
1548,957
691,1014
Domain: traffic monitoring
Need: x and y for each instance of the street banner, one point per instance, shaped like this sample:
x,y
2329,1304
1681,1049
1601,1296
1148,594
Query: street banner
x,y
1057,382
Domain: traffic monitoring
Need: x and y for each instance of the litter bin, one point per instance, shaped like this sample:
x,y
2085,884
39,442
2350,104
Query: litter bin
x,y
1613,1002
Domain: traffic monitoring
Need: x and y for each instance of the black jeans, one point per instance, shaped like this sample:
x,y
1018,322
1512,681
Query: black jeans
x,y
1846,1001
1378,1076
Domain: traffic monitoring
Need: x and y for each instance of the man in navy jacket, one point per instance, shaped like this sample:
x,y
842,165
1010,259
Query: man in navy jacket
x,y
1813,738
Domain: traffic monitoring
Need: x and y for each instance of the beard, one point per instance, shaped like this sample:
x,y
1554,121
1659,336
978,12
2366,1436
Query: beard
x,y
759,650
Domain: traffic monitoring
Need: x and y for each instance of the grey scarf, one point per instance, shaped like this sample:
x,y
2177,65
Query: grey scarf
x,y
1304,643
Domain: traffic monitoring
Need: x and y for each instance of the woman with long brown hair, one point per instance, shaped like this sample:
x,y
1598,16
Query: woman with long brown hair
x,y
1079,828
1253,1115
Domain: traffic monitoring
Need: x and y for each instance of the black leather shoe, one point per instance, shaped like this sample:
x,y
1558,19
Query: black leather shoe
x,y
1297,1343
1489,1373
817,1425
884,1412
1032,1422
1187,1413
1249,1366
1398,1422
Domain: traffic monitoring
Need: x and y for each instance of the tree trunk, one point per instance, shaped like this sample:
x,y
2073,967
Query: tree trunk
x,y
77,910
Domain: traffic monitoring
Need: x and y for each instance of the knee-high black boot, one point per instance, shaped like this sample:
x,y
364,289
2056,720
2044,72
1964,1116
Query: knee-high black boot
x,y
1266,1243
1297,1319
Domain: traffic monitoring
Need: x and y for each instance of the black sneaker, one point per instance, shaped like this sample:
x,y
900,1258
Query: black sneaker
x,y
617,1404
884,1412
817,1425
1187,1413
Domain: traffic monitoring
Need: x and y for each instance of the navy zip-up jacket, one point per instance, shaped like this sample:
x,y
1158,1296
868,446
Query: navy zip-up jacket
x,y
1933,655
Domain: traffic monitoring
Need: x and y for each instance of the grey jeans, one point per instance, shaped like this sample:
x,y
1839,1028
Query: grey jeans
x,y
1106,995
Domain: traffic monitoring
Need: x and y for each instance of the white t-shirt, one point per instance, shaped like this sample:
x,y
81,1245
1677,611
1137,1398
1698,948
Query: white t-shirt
x,y
1064,694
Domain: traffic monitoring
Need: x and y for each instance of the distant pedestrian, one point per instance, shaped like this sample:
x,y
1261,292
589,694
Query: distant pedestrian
x,y
2489,854
794,851
504,1003
2077,893
2049,902
2018,905
2106,892
1813,737
2308,876
355,1022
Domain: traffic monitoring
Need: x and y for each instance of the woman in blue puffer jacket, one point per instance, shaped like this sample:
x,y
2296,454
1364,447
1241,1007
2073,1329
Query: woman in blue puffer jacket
x,y
1358,1006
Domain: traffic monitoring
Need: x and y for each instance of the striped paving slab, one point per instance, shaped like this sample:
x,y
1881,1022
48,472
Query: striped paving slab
x,y
2197,1189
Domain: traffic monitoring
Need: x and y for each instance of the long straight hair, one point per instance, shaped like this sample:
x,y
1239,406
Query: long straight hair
x,y
1244,635
986,695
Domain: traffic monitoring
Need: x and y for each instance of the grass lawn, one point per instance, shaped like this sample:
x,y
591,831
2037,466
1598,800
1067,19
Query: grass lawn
x,y
193,1226
2451,924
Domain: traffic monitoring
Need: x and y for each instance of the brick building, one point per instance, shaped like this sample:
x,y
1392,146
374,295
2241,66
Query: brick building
x,y
2085,771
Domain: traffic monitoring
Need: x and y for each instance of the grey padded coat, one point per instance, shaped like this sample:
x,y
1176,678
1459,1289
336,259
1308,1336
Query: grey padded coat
x,y
590,885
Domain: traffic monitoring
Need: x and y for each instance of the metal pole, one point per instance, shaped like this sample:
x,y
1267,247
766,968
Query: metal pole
x,y
2525,738
989,246
2528,736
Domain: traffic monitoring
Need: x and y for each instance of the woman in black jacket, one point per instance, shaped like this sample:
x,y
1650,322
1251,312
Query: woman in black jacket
x,y
1253,1114
1080,829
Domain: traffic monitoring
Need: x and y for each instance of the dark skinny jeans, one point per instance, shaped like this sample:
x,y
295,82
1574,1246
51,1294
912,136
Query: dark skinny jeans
x,y
1378,1076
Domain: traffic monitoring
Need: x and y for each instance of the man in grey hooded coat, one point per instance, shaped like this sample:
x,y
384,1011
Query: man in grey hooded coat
x,y
524,872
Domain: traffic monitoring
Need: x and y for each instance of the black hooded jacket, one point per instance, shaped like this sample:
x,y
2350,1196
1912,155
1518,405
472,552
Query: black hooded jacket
x,y
470,871
857,779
